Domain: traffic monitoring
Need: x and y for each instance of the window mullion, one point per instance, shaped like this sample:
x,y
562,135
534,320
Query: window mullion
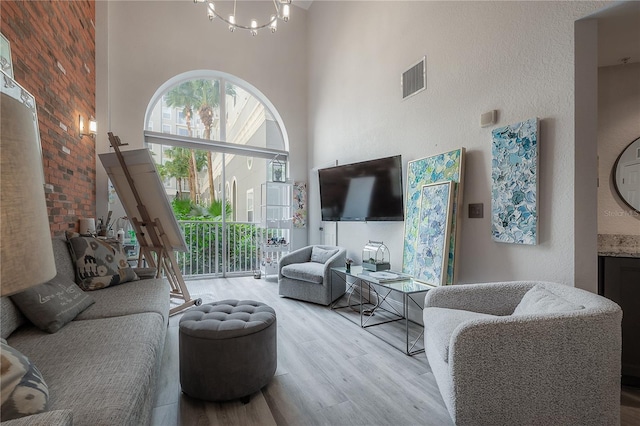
x,y
223,137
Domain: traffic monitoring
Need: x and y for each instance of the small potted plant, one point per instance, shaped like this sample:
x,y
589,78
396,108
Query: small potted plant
x,y
348,263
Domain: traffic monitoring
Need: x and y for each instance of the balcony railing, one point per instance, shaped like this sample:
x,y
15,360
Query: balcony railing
x,y
204,240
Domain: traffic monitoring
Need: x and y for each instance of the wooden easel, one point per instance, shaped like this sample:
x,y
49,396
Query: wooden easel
x,y
158,253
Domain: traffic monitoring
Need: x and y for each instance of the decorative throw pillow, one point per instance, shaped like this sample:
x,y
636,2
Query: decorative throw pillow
x,y
100,264
539,300
321,255
24,391
51,305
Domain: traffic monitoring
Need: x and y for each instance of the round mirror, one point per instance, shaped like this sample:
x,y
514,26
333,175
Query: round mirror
x,y
626,175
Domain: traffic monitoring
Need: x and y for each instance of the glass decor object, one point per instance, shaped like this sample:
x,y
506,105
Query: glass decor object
x,y
375,256
278,171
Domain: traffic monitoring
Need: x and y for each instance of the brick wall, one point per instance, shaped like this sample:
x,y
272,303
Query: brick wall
x,y
53,53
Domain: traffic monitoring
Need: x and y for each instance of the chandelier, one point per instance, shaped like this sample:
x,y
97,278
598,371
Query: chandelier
x,y
282,9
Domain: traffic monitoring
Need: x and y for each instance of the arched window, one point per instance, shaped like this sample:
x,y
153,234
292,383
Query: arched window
x,y
192,104
199,121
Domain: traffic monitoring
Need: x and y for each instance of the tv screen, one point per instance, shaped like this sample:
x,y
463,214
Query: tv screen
x,y
365,191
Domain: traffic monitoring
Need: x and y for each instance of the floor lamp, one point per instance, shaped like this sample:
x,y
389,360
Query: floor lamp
x,y
26,252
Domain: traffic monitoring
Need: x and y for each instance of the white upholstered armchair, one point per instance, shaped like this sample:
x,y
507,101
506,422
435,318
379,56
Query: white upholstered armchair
x,y
305,274
524,353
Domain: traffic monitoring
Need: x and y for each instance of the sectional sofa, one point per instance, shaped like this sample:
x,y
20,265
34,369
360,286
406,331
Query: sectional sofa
x,y
101,367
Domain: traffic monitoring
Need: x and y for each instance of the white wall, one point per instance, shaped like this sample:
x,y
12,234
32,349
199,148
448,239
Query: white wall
x,y
618,125
142,44
516,57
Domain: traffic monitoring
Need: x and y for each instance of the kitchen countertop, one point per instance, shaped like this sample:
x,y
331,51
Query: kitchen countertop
x,y
619,245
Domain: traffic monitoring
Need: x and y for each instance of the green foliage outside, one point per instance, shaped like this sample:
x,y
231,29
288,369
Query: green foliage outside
x,y
202,229
203,97
179,165
202,226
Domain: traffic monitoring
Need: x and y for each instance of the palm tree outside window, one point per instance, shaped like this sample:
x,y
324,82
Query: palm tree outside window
x,y
210,106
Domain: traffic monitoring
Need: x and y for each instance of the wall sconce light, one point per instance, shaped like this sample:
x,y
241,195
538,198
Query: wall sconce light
x,y
93,127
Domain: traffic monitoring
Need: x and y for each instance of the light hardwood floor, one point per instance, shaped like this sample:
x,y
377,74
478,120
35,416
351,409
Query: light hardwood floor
x,y
330,372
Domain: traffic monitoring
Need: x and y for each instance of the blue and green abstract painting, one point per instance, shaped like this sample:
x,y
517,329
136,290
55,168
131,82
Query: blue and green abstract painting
x,y
438,168
514,190
432,250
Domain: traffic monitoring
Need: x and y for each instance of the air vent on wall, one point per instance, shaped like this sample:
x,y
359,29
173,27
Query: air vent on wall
x,y
414,80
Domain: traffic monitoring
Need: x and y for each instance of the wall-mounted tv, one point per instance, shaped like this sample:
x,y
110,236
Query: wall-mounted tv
x,y
365,191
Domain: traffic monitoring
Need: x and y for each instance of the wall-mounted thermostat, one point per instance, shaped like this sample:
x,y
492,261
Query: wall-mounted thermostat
x,y
489,118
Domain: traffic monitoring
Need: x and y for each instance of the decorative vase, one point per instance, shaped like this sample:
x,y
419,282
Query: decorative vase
x,y
348,267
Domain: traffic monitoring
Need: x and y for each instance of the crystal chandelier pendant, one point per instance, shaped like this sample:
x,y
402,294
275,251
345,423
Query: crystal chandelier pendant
x,y
232,23
282,9
285,12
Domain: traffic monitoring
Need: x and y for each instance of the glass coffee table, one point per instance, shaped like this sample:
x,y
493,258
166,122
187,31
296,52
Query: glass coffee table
x,y
387,304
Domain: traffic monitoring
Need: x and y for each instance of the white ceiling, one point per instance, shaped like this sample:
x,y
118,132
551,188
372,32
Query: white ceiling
x,y
304,4
619,34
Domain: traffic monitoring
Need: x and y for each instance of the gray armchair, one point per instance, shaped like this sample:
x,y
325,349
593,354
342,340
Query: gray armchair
x,y
524,353
305,274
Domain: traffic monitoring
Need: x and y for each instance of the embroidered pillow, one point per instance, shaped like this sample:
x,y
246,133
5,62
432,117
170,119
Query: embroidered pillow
x,y
100,264
52,305
24,391
321,255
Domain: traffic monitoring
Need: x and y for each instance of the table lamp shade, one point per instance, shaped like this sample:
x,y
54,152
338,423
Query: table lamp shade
x,y
26,252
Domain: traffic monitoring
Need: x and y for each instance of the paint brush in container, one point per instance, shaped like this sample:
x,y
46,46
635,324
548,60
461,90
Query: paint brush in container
x,y
106,225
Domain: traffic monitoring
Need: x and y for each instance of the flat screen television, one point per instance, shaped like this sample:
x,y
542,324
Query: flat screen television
x,y
365,191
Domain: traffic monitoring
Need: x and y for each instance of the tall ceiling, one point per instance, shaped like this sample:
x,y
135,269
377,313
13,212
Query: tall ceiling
x,y
618,32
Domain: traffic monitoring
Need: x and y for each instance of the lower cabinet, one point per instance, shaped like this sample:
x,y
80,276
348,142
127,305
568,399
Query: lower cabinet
x,y
619,280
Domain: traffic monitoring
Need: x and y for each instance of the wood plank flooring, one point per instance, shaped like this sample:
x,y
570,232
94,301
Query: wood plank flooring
x,y
330,372
630,406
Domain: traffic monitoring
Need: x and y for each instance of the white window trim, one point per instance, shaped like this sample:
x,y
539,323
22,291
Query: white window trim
x,y
224,78
250,204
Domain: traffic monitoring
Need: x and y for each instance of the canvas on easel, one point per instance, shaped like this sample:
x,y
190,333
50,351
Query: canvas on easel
x,y
137,183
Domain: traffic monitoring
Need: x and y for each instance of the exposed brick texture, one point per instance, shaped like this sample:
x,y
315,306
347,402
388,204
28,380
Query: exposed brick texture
x,y
53,52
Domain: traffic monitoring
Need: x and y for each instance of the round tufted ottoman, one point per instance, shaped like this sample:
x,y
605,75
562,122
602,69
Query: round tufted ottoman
x,y
228,349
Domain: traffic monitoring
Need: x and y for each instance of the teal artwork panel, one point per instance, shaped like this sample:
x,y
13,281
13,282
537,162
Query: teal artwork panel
x,y
514,189
443,167
432,249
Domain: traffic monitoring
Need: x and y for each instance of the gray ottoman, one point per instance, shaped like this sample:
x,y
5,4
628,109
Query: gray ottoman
x,y
228,349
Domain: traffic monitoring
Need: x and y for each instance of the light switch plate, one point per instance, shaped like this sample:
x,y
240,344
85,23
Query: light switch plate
x,y
476,211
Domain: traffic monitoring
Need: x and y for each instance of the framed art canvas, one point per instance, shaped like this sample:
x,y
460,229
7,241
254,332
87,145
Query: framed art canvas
x,y
514,188
6,64
299,205
434,226
448,166
150,188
